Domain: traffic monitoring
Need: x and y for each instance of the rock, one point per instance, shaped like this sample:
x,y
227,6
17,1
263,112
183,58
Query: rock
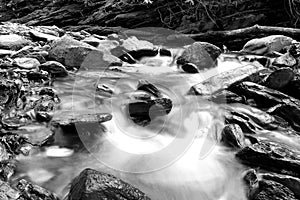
x,y
8,193
9,93
286,60
27,63
133,44
94,185
251,180
264,97
7,169
223,80
104,90
201,54
271,190
144,85
38,36
280,78
290,182
31,191
290,113
225,96
233,136
44,109
5,156
13,42
142,112
71,52
54,68
190,68
267,45
69,121
271,156
4,52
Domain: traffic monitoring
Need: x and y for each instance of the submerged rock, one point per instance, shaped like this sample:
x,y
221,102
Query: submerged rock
x,y
9,93
267,45
94,185
271,156
201,54
233,136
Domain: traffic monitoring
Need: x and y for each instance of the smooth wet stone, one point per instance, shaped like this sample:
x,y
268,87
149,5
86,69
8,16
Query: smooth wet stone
x,y
68,121
233,136
271,156
223,80
201,54
290,182
267,45
27,63
279,78
94,185
31,191
142,112
190,68
71,52
13,42
286,60
146,86
39,36
54,68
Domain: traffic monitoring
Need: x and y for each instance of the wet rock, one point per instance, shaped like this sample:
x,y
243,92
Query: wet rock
x,y
271,190
290,182
223,80
13,42
71,52
286,60
280,78
190,68
293,88
38,36
263,96
142,112
267,45
251,180
9,93
41,76
233,136
5,156
7,169
94,185
146,86
15,144
8,193
54,68
4,52
133,44
31,191
93,41
44,109
27,63
104,90
271,156
201,54
225,96
69,121
290,113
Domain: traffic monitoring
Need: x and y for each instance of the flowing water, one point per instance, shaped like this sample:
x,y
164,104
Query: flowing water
x,y
175,157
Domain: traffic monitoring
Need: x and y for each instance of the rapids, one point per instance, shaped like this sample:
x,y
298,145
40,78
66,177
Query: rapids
x,y
176,157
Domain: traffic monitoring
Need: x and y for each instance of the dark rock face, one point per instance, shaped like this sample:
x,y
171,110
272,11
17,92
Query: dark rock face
x,y
251,181
54,68
233,136
271,156
280,78
94,185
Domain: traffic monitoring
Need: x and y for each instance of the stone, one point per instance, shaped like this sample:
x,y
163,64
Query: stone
x,y
71,52
251,181
201,54
190,68
54,68
133,44
267,45
286,60
31,191
271,156
38,36
233,136
27,63
44,108
94,185
146,86
4,52
13,42
279,78
9,93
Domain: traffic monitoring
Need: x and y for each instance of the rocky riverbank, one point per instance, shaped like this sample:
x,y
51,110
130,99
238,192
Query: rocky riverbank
x,y
257,99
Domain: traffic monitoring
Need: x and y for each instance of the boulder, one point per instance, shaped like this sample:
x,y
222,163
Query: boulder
x,y
233,136
13,42
27,63
54,68
94,185
271,156
286,60
39,36
267,45
279,78
201,54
